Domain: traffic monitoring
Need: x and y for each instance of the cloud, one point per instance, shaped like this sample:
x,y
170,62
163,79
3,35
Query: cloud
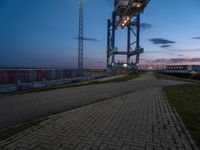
x,y
94,60
158,41
188,49
110,2
88,39
196,38
166,46
181,55
177,60
145,26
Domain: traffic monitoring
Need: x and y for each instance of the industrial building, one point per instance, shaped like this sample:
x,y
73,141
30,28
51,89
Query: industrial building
x,y
183,69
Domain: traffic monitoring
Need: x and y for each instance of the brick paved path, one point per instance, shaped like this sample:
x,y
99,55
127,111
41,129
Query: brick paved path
x,y
140,120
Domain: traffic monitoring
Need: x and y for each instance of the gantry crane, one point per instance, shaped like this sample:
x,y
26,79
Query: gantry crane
x,y
126,14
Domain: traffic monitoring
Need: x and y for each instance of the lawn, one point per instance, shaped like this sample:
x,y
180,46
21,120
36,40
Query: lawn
x,y
120,79
8,132
169,77
186,100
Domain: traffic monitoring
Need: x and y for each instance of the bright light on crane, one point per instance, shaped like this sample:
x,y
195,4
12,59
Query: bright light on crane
x,y
137,5
125,21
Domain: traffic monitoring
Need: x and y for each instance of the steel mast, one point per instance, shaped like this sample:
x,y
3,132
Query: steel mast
x,y
80,38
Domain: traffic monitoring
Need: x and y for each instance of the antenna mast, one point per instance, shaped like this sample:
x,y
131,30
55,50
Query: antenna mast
x,y
80,37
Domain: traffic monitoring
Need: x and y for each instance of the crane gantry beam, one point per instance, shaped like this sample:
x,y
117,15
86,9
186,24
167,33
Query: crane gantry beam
x,y
134,8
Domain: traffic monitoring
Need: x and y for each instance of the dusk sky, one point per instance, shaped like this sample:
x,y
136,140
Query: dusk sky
x,y
42,33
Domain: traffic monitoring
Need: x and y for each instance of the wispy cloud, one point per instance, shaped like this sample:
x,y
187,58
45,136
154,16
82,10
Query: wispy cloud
x,y
175,61
187,49
88,39
145,26
166,46
196,38
110,2
181,55
161,41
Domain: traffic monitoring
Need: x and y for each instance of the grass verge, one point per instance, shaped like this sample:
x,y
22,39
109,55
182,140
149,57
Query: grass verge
x,y
186,100
168,77
120,79
8,132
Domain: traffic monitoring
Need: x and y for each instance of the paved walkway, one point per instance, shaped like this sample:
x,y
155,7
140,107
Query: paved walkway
x,y
140,120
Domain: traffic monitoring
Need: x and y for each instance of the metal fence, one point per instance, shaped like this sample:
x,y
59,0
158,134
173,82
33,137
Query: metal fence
x,y
13,76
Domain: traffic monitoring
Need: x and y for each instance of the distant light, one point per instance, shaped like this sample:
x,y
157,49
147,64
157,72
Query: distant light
x,y
138,5
125,65
193,73
150,68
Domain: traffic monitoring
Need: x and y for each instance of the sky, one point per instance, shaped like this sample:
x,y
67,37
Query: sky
x,y
42,33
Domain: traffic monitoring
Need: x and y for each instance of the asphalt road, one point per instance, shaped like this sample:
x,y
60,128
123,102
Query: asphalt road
x,y
16,109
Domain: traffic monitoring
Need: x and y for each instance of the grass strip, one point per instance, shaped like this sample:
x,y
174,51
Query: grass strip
x,y
8,132
120,79
169,77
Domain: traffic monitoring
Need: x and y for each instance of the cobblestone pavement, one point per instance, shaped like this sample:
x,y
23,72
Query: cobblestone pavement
x,y
140,120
